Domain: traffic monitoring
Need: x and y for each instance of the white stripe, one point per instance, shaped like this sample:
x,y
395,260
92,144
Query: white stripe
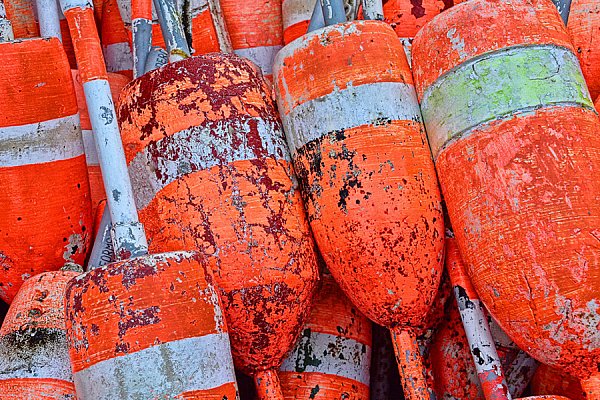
x,y
91,155
330,354
200,148
261,56
162,371
294,11
41,142
35,353
118,57
354,106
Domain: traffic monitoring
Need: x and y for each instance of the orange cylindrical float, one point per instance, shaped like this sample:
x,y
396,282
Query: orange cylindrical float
x,y
331,359
516,144
34,358
117,82
583,25
211,171
548,380
346,97
256,30
295,18
45,215
116,42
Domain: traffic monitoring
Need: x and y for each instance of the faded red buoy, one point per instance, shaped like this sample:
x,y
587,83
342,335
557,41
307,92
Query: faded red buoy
x,y
332,357
256,30
523,147
583,25
347,101
211,172
45,214
117,82
34,358
548,380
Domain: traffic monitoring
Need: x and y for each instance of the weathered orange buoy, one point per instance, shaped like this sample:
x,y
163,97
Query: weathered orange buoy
x,y
116,45
548,380
331,359
45,214
295,18
256,30
583,26
211,171
349,109
517,129
34,358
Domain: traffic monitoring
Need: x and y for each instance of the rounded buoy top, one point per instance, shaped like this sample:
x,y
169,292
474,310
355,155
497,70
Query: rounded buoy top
x,y
356,61
463,32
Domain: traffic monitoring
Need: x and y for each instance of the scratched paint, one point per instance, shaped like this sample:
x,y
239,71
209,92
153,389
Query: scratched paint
x,y
222,182
45,216
332,357
583,24
34,356
526,211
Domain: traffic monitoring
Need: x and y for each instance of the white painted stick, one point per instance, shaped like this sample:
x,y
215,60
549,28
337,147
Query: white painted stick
x,y
373,9
49,18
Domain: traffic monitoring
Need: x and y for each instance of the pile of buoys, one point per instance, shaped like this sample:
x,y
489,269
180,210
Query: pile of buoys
x,y
512,121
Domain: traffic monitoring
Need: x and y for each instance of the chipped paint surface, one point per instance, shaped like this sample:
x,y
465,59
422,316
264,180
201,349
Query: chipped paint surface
x,y
224,185
583,24
45,198
408,16
148,309
526,212
332,357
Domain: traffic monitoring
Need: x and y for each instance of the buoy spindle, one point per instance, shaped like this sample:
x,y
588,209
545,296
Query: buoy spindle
x,y
172,31
141,29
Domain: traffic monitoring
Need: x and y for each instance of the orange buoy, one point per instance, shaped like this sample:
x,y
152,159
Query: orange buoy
x,y
256,30
583,25
517,129
34,358
548,380
295,18
116,44
331,359
347,101
117,82
211,171
45,214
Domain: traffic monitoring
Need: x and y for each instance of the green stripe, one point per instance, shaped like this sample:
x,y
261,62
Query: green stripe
x,y
500,84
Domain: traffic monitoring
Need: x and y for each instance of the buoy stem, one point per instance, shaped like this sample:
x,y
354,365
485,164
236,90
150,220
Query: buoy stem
x,y
156,59
48,18
268,386
373,9
172,30
102,250
333,12
409,361
218,19
316,19
6,30
520,373
129,238
141,30
591,386
564,8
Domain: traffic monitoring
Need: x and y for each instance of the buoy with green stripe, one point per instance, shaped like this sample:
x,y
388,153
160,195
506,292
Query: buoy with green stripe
x,y
516,144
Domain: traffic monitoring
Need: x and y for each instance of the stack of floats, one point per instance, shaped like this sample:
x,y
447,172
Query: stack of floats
x,y
286,188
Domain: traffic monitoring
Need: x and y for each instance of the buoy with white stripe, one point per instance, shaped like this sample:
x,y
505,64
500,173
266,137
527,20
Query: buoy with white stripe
x,y
512,121
332,357
146,326
583,25
116,45
548,380
45,217
352,121
34,357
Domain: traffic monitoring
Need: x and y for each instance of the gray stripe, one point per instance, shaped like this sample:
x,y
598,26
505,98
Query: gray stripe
x,y
500,84
201,148
330,354
354,106
162,371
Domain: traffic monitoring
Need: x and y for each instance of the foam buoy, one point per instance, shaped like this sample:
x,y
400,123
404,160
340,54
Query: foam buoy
x,y
256,30
331,359
583,25
215,175
522,140
116,82
548,380
34,358
45,218
116,45
349,109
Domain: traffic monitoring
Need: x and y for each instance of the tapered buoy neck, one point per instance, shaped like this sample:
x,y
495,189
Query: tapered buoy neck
x,y
268,386
410,364
591,386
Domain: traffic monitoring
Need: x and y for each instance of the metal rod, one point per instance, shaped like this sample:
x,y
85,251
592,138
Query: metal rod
x,y
172,30
373,9
333,12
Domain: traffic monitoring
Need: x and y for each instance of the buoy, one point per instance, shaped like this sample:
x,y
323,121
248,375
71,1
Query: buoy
x,y
256,30
583,25
548,380
45,216
116,82
147,326
349,110
116,45
521,139
332,357
34,358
